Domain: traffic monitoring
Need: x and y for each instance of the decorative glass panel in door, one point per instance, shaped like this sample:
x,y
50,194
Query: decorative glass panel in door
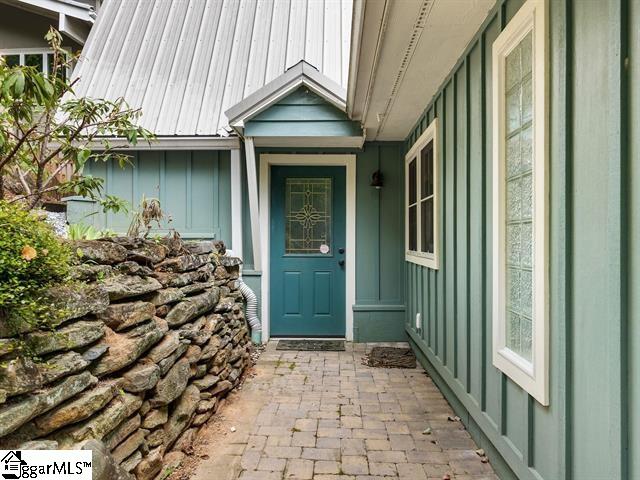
x,y
519,198
308,215
307,252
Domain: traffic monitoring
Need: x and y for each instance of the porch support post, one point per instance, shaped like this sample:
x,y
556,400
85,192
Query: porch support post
x,y
236,203
252,184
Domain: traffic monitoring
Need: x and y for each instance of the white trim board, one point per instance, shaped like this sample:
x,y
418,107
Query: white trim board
x,y
348,161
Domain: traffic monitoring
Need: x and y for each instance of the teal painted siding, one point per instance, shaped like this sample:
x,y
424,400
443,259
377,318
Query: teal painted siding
x,y
193,187
379,311
302,114
591,429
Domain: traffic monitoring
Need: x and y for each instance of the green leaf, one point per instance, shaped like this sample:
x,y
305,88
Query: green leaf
x,y
18,88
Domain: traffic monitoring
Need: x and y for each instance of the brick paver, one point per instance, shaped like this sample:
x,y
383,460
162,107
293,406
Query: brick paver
x,y
325,416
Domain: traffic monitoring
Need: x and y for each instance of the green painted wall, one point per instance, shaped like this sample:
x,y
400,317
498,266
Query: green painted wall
x,y
302,114
194,188
379,310
591,429
22,29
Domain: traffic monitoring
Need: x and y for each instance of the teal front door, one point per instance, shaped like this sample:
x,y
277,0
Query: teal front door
x,y
307,258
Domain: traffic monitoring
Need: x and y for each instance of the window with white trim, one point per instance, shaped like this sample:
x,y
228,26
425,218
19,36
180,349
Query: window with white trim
x,y
520,306
40,58
422,200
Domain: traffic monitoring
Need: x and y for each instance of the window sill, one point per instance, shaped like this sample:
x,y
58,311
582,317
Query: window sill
x,y
428,260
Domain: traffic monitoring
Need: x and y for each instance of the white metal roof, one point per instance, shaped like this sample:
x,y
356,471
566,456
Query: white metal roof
x,y
185,62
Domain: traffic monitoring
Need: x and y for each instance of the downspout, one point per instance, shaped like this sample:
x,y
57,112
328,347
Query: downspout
x,y
252,311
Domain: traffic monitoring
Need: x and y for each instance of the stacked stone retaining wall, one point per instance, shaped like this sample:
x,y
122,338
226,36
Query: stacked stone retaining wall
x,y
152,340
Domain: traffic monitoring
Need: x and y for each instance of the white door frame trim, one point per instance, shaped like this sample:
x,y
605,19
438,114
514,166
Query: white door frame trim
x,y
348,161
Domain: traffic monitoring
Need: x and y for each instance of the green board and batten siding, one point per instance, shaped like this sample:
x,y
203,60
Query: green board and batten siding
x,y
302,114
591,429
194,188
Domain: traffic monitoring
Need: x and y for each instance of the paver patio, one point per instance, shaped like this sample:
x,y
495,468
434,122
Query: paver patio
x,y
325,416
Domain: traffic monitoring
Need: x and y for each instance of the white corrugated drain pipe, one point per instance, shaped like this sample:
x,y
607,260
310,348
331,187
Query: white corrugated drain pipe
x,y
252,311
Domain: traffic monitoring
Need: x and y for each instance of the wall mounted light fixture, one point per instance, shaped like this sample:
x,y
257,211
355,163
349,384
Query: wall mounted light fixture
x,y
376,180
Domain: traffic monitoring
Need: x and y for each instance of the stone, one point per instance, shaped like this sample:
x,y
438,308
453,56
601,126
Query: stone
x,y
203,274
196,287
133,268
172,384
17,413
165,347
129,445
193,354
206,405
181,414
186,440
8,345
79,408
163,310
182,263
198,371
156,418
143,376
229,261
155,438
75,335
104,467
150,465
199,247
89,272
206,382
99,251
125,348
132,462
149,253
164,296
94,353
120,316
127,286
171,461
222,387
220,273
201,419
22,375
225,304
39,445
168,362
104,422
122,431
193,307
211,349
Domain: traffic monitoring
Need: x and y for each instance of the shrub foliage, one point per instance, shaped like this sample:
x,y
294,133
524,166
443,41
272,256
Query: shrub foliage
x,y
31,259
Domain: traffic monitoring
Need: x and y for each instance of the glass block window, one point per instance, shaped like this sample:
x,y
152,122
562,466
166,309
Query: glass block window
x,y
422,200
308,215
519,197
520,201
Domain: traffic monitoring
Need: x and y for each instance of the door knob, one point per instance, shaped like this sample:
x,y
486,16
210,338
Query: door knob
x,y
341,250
341,263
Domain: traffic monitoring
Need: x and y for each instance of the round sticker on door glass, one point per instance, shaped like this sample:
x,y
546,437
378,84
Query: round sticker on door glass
x,y
324,248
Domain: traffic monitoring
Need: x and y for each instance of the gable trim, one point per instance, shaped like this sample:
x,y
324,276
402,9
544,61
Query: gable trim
x,y
301,74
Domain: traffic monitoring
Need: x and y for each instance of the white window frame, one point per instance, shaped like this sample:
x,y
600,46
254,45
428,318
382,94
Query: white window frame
x,y
23,52
426,259
532,376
